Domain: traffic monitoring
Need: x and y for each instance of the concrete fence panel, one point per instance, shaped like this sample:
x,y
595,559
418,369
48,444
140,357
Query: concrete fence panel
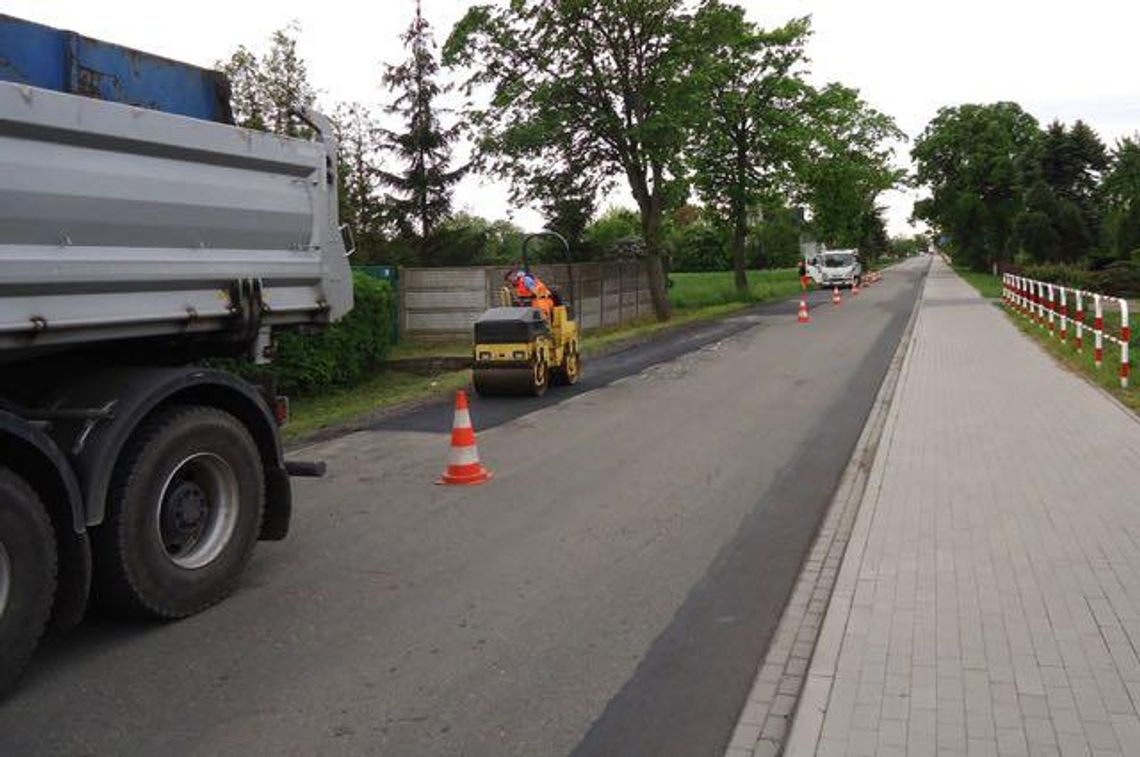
x,y
442,303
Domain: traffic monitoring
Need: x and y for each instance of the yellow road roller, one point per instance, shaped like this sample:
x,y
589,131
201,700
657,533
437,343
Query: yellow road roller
x,y
530,340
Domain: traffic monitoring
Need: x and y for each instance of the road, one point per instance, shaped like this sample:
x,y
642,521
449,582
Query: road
x,y
610,592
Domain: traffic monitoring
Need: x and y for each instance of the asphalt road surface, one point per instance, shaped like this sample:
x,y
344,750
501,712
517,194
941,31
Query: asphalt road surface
x,y
610,592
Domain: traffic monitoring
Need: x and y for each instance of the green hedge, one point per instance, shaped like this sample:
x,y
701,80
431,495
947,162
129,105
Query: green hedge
x,y
341,355
1119,279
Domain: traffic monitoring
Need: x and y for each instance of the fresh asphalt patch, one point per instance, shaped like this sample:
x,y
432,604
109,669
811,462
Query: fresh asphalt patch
x,y
488,412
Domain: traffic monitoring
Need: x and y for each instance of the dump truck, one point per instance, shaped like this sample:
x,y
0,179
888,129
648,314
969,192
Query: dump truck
x,y
143,236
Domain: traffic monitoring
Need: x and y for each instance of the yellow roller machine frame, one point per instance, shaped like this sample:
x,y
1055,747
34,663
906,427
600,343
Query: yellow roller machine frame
x,y
519,350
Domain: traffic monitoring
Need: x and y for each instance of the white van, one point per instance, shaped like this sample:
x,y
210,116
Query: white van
x,y
836,268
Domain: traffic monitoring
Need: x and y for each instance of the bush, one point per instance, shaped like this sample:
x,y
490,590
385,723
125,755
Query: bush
x,y
1065,274
1118,279
340,355
701,247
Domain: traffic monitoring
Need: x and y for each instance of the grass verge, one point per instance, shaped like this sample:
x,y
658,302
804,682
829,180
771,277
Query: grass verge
x,y
987,284
698,290
695,297
385,389
1083,363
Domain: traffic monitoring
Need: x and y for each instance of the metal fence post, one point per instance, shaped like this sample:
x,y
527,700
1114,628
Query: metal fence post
x,y
1080,320
1098,331
1064,317
1125,337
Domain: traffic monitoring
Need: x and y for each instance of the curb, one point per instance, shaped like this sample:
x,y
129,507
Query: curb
x,y
784,710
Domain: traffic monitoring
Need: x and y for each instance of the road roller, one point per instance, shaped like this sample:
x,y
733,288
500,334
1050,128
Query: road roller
x,y
520,349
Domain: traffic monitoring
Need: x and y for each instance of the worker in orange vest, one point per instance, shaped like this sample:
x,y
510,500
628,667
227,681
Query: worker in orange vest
x,y
530,290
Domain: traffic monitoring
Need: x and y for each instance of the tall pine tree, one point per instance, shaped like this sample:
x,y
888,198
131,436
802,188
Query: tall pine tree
x,y
421,193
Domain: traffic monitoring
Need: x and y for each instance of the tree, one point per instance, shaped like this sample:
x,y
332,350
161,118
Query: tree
x,y
267,91
611,79
566,194
465,239
1121,194
756,96
873,241
845,166
421,196
972,157
361,206
247,94
1062,173
776,234
616,229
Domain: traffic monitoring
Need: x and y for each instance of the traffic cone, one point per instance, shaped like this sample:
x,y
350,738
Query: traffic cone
x,y
802,316
854,288
835,298
463,466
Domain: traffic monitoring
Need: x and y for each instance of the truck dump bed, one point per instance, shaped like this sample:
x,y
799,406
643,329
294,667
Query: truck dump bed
x,y
64,61
119,222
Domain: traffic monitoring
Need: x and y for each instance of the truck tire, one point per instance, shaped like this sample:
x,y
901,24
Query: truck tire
x,y
28,562
183,515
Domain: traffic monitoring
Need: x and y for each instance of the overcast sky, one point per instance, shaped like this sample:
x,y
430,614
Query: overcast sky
x,y
1063,60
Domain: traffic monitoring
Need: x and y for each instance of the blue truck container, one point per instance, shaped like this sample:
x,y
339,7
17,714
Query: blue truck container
x,y
64,61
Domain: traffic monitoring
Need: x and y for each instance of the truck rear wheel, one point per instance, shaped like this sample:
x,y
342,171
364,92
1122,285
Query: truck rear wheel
x,y
183,515
27,574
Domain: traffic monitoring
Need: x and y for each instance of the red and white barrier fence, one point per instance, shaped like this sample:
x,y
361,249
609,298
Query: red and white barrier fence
x,y
1047,305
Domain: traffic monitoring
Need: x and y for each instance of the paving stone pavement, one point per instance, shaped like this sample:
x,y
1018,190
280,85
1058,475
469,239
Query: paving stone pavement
x,y
989,600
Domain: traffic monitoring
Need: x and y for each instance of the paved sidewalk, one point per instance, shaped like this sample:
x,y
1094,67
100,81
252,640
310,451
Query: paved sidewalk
x,y
989,600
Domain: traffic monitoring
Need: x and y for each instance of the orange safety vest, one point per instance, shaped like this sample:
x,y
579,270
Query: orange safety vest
x,y
539,295
522,290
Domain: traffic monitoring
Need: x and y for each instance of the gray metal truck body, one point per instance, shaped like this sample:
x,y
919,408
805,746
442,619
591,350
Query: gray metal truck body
x,y
134,242
119,222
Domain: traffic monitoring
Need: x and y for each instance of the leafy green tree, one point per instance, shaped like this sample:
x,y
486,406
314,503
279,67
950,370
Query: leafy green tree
x,y
776,235
1121,194
612,79
905,246
972,157
267,91
701,247
616,229
874,242
286,80
566,194
466,239
421,192
756,124
845,166
361,205
247,95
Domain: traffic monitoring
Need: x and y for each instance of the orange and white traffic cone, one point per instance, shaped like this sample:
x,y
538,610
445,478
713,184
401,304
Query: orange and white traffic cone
x,y
463,466
802,316
854,288
835,298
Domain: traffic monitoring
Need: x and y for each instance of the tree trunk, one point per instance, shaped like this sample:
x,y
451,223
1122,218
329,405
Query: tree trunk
x,y
739,234
658,283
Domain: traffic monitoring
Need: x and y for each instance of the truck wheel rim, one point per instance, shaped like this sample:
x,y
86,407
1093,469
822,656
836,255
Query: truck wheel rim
x,y
5,578
197,510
